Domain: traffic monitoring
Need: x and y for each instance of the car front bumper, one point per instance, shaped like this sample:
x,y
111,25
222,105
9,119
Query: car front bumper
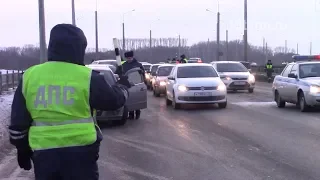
x,y
313,99
189,97
239,84
160,89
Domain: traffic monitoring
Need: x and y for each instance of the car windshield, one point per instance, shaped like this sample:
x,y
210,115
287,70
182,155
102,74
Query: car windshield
x,y
231,67
164,71
309,70
196,72
154,68
108,76
246,64
192,61
146,66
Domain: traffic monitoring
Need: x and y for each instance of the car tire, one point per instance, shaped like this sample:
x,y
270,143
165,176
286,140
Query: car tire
x,y
155,93
303,106
168,102
250,90
175,105
124,117
279,101
222,105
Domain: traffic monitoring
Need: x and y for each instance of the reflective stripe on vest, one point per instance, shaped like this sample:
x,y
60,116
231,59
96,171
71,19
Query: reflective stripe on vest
x,y
57,97
269,66
123,62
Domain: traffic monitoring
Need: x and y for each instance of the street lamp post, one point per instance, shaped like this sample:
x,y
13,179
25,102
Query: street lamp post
x,y
150,40
42,33
73,13
123,30
218,32
245,35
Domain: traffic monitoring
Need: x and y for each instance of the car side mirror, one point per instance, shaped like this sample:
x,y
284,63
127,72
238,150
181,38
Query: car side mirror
x,y
171,78
291,75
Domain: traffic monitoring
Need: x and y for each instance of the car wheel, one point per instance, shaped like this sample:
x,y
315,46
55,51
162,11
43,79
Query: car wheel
x,y
302,103
175,105
279,101
124,117
156,93
222,105
250,90
168,102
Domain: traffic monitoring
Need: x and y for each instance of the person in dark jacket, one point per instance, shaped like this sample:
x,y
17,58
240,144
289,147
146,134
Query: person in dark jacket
x,y
183,59
269,69
131,63
44,129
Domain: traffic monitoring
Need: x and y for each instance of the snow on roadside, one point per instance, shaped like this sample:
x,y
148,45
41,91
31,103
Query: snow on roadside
x,y
5,110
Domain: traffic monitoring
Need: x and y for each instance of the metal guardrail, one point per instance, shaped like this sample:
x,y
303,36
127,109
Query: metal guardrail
x,y
9,80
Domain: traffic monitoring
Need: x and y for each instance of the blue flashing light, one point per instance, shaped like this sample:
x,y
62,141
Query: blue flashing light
x,y
304,58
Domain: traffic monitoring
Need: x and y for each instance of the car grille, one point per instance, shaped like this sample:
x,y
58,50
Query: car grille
x,y
232,85
201,98
200,88
235,78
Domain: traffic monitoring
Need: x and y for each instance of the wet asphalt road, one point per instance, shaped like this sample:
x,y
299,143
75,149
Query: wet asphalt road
x,y
250,140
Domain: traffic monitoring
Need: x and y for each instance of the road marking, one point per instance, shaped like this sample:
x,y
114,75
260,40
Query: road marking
x,y
254,104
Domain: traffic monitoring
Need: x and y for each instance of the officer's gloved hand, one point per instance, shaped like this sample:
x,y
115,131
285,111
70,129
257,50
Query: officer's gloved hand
x,y
123,80
24,159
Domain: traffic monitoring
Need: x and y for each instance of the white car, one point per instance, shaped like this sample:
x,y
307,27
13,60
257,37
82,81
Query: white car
x,y
299,83
197,83
235,75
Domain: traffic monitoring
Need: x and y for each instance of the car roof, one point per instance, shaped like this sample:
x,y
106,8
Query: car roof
x,y
305,62
166,65
157,64
218,62
193,64
105,60
145,63
99,67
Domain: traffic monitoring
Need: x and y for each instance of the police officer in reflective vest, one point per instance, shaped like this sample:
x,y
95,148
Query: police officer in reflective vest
x,y
269,69
183,59
52,118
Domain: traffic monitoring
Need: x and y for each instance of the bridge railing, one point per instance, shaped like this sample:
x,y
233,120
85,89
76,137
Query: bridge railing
x,y
9,79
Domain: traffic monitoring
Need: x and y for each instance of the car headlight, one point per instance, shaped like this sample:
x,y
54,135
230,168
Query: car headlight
x,y
221,87
251,78
162,83
147,76
314,89
182,88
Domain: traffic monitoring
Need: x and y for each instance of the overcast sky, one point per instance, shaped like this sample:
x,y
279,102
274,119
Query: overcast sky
x,y
277,20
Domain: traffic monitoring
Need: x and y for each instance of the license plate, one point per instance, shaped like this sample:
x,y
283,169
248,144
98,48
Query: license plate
x,y
239,83
202,94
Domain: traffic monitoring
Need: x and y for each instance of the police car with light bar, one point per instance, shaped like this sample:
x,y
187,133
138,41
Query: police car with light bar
x,y
299,83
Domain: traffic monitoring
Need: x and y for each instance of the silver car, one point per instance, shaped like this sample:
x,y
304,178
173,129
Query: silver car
x,y
235,75
159,83
137,94
299,83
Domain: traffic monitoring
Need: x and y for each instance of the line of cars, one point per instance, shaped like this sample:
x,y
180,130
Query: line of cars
x,y
198,83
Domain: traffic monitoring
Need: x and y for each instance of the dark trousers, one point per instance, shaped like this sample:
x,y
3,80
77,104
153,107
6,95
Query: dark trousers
x,y
74,163
138,112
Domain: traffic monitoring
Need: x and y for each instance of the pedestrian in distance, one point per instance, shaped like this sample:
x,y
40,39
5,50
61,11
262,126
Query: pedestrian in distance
x,y
131,63
269,70
183,59
53,111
